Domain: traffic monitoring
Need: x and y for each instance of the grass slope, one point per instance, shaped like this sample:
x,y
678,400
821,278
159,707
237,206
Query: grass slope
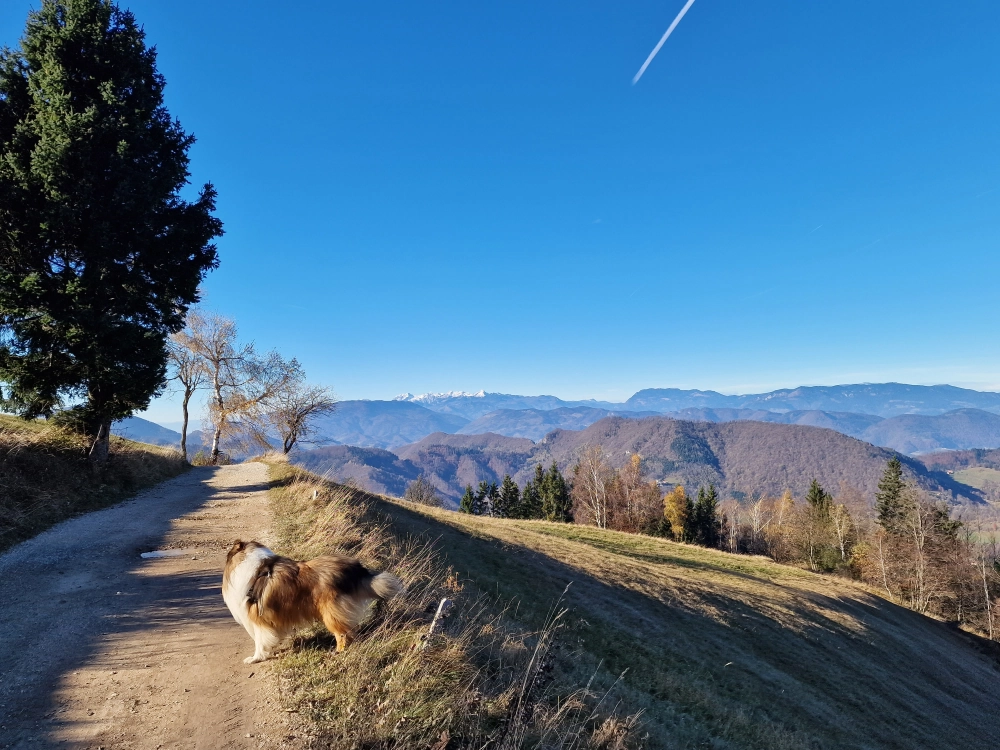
x,y
732,651
979,477
45,478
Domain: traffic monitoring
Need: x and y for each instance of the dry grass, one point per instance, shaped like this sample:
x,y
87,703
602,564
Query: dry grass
x,y
482,680
45,478
733,651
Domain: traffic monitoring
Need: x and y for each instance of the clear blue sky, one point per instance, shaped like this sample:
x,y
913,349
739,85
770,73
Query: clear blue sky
x,y
435,196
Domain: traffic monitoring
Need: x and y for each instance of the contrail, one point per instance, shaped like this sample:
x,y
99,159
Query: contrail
x,y
656,49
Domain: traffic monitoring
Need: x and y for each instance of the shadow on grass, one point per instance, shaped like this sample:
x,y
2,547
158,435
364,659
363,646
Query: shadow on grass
x,y
841,670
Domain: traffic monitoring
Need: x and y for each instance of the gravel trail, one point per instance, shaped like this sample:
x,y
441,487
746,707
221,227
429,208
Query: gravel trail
x,y
104,649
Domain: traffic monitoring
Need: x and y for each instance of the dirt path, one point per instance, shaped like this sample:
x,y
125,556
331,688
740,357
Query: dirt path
x,y
101,648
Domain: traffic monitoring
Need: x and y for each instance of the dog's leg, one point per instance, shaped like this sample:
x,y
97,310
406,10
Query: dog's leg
x,y
264,640
343,640
338,628
258,653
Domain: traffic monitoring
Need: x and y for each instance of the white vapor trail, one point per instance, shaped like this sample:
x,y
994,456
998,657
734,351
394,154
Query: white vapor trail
x,y
663,39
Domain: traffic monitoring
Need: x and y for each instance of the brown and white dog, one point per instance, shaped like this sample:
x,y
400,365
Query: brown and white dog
x,y
271,595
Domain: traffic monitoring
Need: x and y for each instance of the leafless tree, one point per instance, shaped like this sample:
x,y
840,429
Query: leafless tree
x,y
843,524
758,517
732,512
242,381
188,370
423,492
633,503
292,409
591,487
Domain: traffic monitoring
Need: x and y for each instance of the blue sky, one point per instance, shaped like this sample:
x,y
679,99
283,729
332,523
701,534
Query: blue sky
x,y
436,196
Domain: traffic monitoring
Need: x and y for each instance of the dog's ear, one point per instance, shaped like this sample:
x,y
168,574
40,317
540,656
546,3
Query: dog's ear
x,y
238,546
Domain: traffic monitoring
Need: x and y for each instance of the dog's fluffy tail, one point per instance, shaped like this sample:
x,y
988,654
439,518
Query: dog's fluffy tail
x,y
386,585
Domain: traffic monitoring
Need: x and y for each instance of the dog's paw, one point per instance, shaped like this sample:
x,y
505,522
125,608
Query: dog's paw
x,y
253,659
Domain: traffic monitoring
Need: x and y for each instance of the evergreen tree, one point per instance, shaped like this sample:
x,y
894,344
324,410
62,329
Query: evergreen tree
x,y
889,500
100,256
508,499
819,528
468,504
819,500
488,496
705,518
531,497
481,505
556,502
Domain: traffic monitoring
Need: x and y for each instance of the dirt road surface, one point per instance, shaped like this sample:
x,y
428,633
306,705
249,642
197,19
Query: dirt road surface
x,y
100,648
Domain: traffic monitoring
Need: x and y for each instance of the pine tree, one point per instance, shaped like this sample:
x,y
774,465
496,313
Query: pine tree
x,y
889,500
468,503
531,497
508,499
819,500
705,516
556,503
100,256
819,529
488,496
481,505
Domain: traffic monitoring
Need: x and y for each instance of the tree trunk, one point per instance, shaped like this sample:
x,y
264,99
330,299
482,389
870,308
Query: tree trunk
x,y
220,403
101,446
184,426
215,445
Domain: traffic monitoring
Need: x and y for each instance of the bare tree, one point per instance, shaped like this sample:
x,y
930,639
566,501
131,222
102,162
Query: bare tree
x,y
758,518
292,409
843,524
591,487
634,504
242,382
732,513
423,492
188,370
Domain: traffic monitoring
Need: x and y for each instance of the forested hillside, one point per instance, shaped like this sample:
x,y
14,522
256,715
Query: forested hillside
x,y
740,458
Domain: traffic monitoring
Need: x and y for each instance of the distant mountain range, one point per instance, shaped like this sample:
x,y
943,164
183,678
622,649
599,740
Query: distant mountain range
x,y
908,418
753,443
879,399
738,457
537,423
384,424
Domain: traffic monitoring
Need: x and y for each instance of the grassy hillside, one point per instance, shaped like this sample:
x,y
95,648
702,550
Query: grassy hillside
x,y
727,651
45,478
718,650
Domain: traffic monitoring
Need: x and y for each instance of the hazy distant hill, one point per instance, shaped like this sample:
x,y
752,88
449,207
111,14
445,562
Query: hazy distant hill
x,y
144,431
373,469
954,430
537,423
739,457
881,399
383,424
841,421
475,405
